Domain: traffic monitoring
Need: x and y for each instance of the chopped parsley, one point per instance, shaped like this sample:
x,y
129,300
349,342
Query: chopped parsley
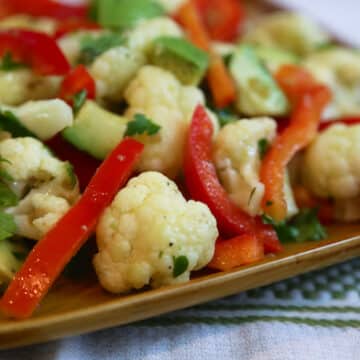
x,y
7,226
9,64
181,264
71,174
7,196
79,100
141,125
263,146
303,227
91,47
10,123
225,116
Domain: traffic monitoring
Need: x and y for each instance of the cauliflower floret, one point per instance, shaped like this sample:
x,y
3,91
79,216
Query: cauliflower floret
x,y
171,6
165,105
113,70
19,86
44,118
147,227
331,167
289,31
339,69
141,38
41,24
237,159
45,185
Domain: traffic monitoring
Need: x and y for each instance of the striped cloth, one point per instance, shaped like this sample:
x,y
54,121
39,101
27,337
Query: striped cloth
x,y
313,316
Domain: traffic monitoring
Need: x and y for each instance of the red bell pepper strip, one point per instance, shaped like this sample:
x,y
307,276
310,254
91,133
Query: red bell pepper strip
x,y
49,8
268,236
72,25
202,181
76,80
221,84
50,255
84,165
241,250
346,121
35,49
309,103
222,18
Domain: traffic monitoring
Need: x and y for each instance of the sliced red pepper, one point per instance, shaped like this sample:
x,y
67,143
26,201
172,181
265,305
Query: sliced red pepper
x,y
5,9
77,80
203,183
346,121
267,234
35,49
84,165
72,25
241,250
50,255
309,103
222,18
221,84
49,8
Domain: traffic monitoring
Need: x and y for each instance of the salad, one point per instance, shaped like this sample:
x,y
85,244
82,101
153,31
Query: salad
x,y
180,134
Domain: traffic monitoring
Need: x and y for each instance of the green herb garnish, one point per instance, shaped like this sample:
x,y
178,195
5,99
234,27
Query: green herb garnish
x,y
303,227
141,125
7,196
79,100
7,226
226,116
10,123
91,47
263,146
9,64
181,264
71,174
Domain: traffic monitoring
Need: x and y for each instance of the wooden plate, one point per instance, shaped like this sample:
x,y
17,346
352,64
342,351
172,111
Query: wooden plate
x,y
75,307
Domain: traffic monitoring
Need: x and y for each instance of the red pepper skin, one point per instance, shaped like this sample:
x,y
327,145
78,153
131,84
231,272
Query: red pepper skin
x,y
50,255
268,236
84,165
202,181
241,250
222,18
71,25
36,49
76,80
346,121
49,8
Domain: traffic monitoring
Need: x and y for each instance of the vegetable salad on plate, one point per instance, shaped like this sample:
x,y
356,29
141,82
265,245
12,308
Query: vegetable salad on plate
x,y
179,135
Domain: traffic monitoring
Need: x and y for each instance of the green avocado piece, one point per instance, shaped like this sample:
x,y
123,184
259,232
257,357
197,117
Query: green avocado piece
x,y
177,55
95,130
126,13
257,92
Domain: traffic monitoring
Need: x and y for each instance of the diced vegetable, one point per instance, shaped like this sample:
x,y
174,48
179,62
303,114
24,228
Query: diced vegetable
x,y
33,48
187,62
257,92
95,130
55,250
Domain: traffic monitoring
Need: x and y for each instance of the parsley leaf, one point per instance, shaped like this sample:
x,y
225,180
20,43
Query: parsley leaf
x,y
8,63
71,174
7,226
91,47
79,100
141,125
10,123
7,196
181,263
225,116
263,146
303,227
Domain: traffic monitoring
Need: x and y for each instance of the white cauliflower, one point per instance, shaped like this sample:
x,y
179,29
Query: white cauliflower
x,y
46,186
237,159
41,24
44,118
289,31
141,38
339,69
151,235
19,86
331,168
113,70
171,6
168,106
